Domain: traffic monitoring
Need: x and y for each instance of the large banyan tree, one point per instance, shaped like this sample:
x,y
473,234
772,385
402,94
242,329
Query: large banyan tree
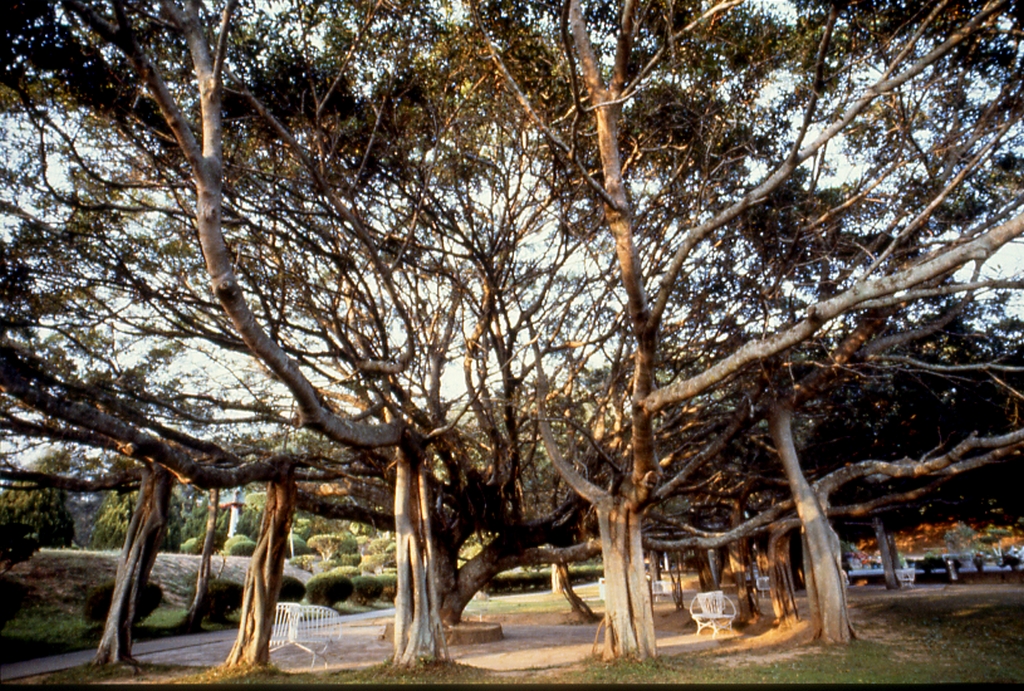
x,y
506,264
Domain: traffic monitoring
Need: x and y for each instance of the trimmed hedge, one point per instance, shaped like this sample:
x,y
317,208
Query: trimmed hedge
x,y
389,583
328,588
193,545
292,590
304,562
223,598
348,559
97,602
239,546
366,589
532,581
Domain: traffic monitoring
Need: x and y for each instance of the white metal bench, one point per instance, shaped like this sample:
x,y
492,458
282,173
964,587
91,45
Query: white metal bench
x,y
661,589
712,609
303,626
906,577
764,586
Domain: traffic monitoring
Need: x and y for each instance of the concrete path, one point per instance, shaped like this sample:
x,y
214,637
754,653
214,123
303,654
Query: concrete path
x,y
523,647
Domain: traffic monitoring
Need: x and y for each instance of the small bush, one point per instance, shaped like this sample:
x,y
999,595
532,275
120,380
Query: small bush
x,y
292,590
346,571
97,602
328,588
223,598
932,562
366,589
239,546
304,562
348,559
193,545
389,586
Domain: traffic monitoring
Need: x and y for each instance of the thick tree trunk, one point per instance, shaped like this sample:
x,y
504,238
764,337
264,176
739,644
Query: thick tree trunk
x,y
145,533
194,621
629,619
419,634
886,547
826,593
263,579
780,574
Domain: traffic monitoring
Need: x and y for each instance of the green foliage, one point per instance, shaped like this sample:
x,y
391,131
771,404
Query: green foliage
x,y
349,559
193,545
932,562
12,594
223,598
44,509
97,602
328,588
304,562
239,546
330,545
349,571
389,585
112,521
17,544
520,582
381,545
366,589
292,590
961,539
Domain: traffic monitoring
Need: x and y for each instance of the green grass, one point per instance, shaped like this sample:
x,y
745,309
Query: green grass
x,y
44,630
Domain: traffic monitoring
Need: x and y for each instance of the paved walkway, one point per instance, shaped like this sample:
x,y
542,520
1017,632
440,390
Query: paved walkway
x,y
522,648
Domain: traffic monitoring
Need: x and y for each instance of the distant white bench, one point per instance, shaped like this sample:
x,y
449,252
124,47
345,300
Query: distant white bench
x,y
764,586
661,589
303,626
712,609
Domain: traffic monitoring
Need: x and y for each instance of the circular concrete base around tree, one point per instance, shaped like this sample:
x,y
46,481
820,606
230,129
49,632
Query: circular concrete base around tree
x,y
466,633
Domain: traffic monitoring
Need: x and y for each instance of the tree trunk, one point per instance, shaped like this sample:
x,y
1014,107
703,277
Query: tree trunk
x,y
419,634
826,593
780,574
560,579
194,621
885,548
746,596
145,533
706,572
629,619
676,575
263,579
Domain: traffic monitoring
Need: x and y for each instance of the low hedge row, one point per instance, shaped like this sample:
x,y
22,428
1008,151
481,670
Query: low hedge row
x,y
97,602
532,581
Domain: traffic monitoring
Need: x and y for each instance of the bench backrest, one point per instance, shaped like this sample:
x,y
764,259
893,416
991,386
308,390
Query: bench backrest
x,y
712,603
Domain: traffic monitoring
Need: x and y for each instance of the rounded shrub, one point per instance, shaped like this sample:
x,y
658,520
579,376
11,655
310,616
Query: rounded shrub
x,y
328,588
97,602
304,562
193,545
366,589
239,546
346,571
389,585
223,598
292,590
348,559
